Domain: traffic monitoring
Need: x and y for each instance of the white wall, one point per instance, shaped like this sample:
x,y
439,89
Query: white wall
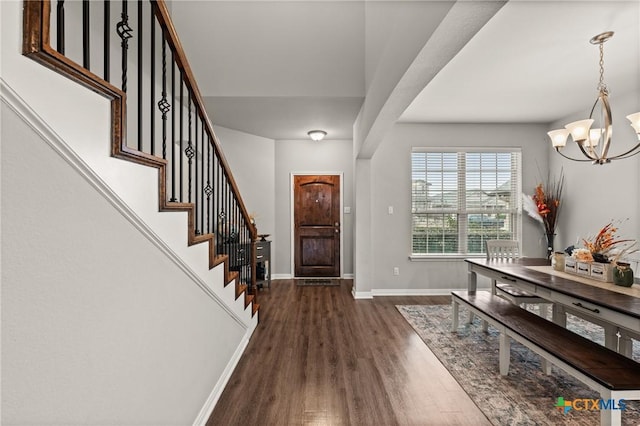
x,y
306,156
594,194
391,186
252,161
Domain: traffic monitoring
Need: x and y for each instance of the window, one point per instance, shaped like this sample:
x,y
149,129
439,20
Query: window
x,y
460,198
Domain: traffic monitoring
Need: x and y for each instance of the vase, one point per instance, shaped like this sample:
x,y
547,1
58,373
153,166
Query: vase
x,y
557,261
623,274
550,238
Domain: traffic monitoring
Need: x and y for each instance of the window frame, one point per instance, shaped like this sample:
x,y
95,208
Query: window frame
x,y
462,208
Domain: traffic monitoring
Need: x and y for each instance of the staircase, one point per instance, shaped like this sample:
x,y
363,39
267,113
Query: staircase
x,y
129,53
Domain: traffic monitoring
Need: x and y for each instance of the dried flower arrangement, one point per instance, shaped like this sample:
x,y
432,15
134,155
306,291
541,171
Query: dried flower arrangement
x,y
544,206
606,246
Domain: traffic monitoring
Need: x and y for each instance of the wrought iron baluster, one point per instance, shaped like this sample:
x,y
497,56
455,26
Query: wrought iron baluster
x,y
208,190
222,231
107,38
202,154
163,105
227,204
86,36
196,193
140,66
181,140
173,130
238,245
189,151
152,96
125,33
219,185
60,26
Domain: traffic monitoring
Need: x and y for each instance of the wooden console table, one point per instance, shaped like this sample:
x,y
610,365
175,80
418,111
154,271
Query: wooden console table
x,y
263,264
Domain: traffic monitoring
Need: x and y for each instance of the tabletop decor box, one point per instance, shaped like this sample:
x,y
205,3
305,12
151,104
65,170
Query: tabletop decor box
x,y
594,270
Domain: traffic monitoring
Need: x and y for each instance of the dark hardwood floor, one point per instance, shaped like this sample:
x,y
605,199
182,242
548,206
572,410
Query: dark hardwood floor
x,y
319,357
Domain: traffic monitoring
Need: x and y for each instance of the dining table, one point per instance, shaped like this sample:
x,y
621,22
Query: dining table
x,y
615,308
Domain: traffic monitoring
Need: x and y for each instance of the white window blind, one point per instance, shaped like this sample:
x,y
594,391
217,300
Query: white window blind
x,y
461,198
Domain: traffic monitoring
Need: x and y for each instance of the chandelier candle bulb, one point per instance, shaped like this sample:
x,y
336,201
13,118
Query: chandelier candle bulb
x,y
635,122
559,137
594,136
579,129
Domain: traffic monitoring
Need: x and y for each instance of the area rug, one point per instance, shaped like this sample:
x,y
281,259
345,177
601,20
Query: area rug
x,y
526,396
318,282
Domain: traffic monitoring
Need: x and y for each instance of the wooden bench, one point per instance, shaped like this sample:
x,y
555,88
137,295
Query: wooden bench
x,y
611,374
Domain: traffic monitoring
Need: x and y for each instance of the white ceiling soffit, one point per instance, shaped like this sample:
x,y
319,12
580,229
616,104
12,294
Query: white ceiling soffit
x,y
285,117
533,63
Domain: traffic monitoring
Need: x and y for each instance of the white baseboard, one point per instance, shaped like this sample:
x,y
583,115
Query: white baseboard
x,y
290,276
411,292
388,292
362,294
281,276
212,400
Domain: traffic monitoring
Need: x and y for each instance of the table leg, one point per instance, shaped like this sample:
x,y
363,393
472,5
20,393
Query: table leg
x,y
472,285
472,280
454,315
505,352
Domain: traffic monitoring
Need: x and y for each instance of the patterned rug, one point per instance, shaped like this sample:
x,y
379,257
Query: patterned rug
x,y
526,396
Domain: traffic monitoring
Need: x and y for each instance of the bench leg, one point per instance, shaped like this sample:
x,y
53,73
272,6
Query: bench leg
x,y
454,315
546,366
505,353
485,326
493,287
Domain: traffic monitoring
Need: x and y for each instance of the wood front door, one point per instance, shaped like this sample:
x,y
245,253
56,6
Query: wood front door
x,y
316,225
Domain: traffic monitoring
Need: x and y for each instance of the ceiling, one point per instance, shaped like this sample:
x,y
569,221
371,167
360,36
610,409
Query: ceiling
x,y
280,68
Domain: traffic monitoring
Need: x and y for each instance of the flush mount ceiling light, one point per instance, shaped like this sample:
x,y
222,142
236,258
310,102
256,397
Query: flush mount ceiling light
x,y
582,133
317,135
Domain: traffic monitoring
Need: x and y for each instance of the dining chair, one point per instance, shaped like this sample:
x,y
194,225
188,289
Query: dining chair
x,y
509,250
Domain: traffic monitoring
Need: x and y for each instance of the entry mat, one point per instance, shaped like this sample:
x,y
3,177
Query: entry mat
x,y
318,282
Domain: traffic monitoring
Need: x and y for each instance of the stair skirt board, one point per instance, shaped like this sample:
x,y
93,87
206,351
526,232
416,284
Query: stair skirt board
x,y
48,135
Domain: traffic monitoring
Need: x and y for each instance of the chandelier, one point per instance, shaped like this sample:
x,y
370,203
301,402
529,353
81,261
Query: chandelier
x,y
588,139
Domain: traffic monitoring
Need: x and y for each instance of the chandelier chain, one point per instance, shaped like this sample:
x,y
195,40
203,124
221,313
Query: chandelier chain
x,y
601,84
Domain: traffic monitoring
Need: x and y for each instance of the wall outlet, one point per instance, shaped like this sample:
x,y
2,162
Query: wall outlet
x,y
390,209
396,270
